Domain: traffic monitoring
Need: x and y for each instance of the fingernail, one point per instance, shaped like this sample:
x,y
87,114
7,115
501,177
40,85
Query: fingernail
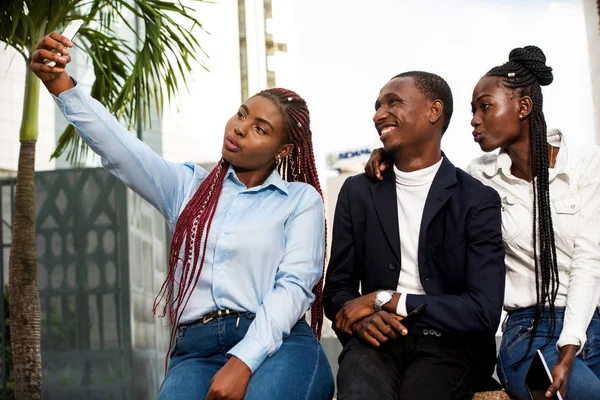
x,y
62,59
70,43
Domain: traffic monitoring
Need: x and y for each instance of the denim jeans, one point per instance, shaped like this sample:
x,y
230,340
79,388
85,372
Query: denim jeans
x,y
584,380
298,370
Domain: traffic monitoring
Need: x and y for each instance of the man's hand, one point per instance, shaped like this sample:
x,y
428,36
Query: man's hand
x,y
378,328
561,371
230,382
353,311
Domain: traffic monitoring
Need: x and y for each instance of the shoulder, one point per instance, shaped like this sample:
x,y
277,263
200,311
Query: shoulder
x,y
585,156
472,187
304,194
362,181
481,164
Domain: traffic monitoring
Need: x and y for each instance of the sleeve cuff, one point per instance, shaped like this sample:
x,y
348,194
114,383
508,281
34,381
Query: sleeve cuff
x,y
567,338
250,352
401,307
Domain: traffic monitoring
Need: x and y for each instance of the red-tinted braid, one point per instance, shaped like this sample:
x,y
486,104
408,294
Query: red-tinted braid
x,y
193,224
191,231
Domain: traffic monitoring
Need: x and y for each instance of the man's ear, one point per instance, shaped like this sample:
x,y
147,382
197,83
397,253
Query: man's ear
x,y
435,111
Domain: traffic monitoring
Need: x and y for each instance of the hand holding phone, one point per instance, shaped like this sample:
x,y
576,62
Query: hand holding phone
x,y
69,32
413,314
539,378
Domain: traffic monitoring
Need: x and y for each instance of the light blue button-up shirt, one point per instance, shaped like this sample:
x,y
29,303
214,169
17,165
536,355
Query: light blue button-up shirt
x,y
266,244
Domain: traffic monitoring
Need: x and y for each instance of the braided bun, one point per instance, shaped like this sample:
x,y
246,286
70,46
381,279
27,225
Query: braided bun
x,y
533,59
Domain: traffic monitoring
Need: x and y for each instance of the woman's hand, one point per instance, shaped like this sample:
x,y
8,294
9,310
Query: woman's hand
x,y
230,382
55,78
561,371
378,162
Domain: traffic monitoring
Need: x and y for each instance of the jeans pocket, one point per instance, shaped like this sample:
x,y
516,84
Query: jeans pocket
x,y
516,334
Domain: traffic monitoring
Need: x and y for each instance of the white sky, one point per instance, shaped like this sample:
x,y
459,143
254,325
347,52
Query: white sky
x,y
343,52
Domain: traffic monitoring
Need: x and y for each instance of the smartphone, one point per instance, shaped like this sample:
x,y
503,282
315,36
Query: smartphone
x,y
413,314
69,32
539,378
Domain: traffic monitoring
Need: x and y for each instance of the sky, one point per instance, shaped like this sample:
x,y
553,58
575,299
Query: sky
x,y
342,52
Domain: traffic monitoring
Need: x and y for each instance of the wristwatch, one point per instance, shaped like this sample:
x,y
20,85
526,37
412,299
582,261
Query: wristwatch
x,y
381,298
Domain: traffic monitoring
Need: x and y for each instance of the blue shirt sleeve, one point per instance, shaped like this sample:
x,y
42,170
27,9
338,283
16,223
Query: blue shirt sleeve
x,y
165,185
299,271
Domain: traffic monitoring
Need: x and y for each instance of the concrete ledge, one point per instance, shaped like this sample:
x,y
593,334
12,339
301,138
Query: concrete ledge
x,y
496,395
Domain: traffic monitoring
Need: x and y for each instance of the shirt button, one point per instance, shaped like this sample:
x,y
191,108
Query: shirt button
x,y
392,266
572,206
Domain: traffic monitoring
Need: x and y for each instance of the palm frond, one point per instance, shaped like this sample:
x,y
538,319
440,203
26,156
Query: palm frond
x,y
136,79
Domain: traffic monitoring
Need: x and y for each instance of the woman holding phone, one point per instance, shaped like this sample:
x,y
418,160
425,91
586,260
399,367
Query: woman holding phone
x,y
553,269
246,259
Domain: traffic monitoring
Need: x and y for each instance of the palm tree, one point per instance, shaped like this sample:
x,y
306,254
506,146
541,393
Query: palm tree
x,y
130,78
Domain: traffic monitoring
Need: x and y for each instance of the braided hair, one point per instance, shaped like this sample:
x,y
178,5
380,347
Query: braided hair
x,y
525,73
188,246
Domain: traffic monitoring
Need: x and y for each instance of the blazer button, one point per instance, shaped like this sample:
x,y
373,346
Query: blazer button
x,y
392,266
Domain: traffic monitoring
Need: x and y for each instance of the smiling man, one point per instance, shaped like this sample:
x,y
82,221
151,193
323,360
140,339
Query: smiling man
x,y
425,236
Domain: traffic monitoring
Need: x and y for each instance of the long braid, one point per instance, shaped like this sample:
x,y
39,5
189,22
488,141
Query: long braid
x,y
525,72
189,245
299,166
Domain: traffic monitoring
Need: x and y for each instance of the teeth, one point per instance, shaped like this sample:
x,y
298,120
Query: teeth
x,y
387,129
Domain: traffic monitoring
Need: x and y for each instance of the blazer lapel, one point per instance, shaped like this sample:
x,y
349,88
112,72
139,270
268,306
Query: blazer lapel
x,y
441,191
383,194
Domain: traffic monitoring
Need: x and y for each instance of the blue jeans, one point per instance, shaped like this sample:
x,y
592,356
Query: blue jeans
x,y
584,380
298,370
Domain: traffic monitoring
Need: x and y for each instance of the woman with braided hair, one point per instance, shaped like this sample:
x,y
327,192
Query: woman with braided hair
x,y
552,268
551,209
247,255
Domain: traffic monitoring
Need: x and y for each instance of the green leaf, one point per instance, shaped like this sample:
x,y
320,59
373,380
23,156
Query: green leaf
x,y
133,79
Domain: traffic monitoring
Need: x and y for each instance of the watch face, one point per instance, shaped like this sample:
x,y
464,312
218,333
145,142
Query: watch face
x,y
384,296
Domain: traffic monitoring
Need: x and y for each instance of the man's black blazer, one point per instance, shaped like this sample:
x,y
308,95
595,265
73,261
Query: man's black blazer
x,y
460,255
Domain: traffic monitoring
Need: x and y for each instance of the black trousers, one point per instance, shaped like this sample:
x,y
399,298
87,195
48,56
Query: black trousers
x,y
410,368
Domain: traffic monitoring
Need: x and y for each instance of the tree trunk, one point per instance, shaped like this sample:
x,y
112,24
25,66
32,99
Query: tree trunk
x,y
23,283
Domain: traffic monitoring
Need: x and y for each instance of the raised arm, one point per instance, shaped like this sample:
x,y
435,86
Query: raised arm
x,y
163,184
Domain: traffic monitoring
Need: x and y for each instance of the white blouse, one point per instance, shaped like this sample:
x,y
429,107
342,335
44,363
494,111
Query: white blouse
x,y
575,205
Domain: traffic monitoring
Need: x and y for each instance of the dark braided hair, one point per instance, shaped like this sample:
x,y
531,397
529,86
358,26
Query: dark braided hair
x,y
525,73
194,222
